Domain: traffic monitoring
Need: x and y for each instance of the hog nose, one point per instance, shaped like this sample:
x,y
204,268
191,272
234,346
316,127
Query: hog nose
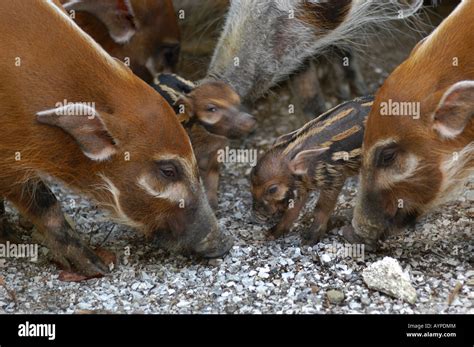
x,y
250,123
214,247
349,233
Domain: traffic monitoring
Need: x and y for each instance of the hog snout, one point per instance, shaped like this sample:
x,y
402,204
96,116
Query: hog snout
x,y
247,123
210,242
357,234
372,222
214,245
239,124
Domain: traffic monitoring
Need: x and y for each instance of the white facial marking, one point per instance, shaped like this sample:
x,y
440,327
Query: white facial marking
x,y
122,217
411,164
175,192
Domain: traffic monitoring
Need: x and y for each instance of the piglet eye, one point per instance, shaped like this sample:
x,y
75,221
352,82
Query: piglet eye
x,y
386,156
272,189
211,108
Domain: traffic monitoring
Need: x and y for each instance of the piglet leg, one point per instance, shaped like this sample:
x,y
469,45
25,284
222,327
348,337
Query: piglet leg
x,y
322,212
36,201
290,216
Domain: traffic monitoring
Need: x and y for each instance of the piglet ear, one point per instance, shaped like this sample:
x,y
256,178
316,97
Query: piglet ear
x,y
284,138
86,126
185,108
117,15
300,164
455,110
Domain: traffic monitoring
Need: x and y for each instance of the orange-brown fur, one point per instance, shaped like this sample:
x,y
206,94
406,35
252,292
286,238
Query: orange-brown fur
x,y
64,64
424,77
157,36
211,114
228,120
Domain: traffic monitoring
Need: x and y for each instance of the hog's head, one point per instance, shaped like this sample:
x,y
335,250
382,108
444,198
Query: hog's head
x,y
143,33
143,169
413,162
217,106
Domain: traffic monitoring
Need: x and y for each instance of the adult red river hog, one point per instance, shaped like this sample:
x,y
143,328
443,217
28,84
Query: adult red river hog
x,y
143,33
263,42
72,112
418,149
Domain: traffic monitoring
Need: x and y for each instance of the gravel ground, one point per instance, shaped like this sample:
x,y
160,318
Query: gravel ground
x,y
257,276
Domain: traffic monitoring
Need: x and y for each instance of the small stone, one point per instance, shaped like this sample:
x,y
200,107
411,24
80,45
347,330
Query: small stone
x,y
335,296
387,276
325,258
470,195
470,282
183,303
452,262
355,306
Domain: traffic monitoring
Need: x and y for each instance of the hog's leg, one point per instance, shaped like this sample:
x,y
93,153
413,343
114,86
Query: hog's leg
x,y
290,216
211,183
38,203
322,212
306,87
6,229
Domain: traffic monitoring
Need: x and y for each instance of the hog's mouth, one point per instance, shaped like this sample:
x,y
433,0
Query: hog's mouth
x,y
403,219
262,218
213,245
370,234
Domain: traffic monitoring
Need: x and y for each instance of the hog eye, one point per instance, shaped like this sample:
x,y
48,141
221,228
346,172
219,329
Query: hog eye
x,y
386,156
167,170
211,108
272,189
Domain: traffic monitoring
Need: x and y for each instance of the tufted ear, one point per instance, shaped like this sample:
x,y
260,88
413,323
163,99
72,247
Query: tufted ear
x,y
85,125
300,164
455,110
117,15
